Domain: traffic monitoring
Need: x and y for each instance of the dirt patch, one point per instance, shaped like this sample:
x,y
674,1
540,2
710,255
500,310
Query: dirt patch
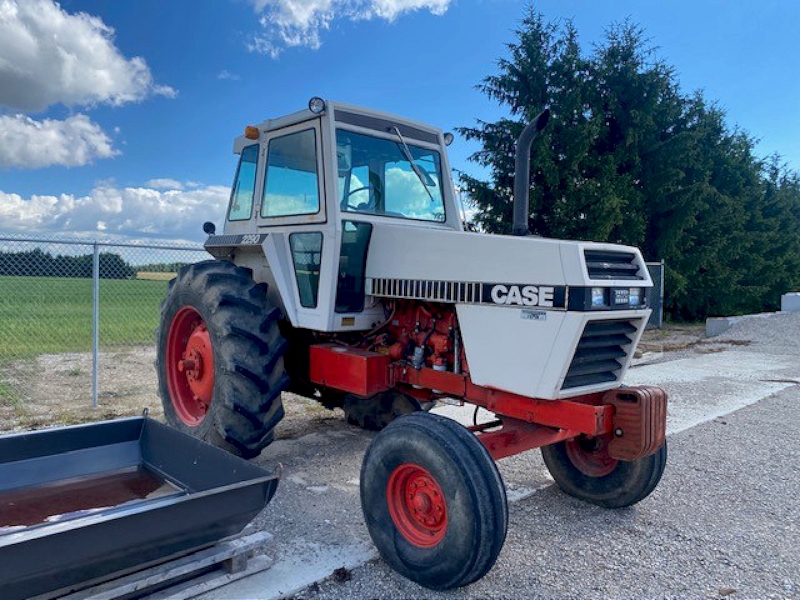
x,y
56,389
672,337
684,338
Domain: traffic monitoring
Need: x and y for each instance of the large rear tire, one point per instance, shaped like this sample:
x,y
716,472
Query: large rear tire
x,y
582,468
433,501
220,358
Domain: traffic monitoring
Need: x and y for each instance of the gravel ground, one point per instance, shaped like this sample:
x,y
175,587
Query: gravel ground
x,y
767,333
770,333
722,523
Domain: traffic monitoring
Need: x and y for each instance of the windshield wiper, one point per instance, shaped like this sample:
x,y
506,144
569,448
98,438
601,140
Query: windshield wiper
x,y
414,166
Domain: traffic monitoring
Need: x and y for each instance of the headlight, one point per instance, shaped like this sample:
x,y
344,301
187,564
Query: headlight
x,y
638,296
598,297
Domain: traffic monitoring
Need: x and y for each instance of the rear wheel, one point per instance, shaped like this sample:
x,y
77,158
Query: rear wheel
x,y
220,358
583,468
433,501
376,412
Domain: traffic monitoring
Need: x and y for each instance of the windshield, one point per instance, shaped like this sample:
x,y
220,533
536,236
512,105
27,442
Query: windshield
x,y
376,177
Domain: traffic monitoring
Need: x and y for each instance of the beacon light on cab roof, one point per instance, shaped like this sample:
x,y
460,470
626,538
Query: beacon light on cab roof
x,y
316,105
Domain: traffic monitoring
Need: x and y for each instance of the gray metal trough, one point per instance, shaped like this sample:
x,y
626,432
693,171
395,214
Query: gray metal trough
x,y
78,503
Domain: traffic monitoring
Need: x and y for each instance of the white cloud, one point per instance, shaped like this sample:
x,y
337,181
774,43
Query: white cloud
x,y
225,74
130,211
164,184
31,144
49,56
290,23
391,9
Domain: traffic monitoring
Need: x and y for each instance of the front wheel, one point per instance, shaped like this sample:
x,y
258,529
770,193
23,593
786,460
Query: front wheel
x,y
583,468
433,501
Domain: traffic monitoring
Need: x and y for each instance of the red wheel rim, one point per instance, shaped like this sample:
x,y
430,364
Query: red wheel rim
x,y
190,366
590,455
417,505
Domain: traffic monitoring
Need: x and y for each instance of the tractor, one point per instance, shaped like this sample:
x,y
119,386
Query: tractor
x,y
345,273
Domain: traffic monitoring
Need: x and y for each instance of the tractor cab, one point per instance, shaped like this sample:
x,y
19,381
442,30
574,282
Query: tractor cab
x,y
312,187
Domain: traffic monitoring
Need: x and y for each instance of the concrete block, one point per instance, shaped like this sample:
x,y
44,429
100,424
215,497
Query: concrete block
x,y
790,302
718,325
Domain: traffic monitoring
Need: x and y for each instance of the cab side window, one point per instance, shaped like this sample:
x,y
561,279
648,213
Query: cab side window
x,y
292,184
244,186
307,257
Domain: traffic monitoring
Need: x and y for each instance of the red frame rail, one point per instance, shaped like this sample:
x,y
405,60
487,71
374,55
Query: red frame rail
x,y
582,414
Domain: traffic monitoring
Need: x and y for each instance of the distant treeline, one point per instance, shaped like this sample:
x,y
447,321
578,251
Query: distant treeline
x,y
172,267
35,263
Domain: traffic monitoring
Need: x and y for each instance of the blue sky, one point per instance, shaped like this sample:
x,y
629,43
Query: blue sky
x,y
118,117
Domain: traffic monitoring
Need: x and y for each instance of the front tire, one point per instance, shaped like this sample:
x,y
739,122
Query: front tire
x,y
433,501
582,468
220,358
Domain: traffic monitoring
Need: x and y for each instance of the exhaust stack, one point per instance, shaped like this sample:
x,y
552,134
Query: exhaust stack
x,y
522,172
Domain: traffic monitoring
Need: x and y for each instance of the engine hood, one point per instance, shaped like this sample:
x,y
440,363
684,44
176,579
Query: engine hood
x,y
408,252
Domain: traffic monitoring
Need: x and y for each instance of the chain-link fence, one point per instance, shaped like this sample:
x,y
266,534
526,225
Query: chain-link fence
x,y
77,327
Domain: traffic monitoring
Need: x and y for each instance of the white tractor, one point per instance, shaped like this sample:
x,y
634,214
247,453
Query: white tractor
x,y
344,273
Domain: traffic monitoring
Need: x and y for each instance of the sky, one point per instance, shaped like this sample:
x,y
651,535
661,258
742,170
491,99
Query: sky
x,y
118,118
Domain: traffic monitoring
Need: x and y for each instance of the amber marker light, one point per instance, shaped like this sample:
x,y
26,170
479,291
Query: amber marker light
x,y
251,132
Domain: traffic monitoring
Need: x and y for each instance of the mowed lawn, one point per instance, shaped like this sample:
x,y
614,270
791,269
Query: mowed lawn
x,y
54,314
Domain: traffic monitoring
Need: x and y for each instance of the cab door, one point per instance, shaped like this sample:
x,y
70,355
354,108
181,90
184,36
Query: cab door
x,y
300,245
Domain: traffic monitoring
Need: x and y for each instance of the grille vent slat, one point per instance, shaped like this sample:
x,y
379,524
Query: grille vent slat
x,y
603,264
600,353
584,355
442,291
603,341
594,367
582,380
605,328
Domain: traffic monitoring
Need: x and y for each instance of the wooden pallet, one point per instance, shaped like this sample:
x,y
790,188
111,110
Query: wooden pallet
x,y
177,577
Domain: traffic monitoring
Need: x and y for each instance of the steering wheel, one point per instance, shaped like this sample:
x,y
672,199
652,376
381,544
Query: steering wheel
x,y
346,200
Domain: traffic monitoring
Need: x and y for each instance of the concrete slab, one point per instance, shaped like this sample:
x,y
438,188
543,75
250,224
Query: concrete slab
x,y
790,302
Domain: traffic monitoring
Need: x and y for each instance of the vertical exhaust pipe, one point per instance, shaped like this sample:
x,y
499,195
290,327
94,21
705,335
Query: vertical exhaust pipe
x,y
522,172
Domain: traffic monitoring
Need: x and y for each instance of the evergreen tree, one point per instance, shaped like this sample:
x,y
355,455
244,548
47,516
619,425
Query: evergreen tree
x,y
628,158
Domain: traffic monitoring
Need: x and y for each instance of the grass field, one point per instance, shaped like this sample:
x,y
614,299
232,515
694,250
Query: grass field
x,y
53,315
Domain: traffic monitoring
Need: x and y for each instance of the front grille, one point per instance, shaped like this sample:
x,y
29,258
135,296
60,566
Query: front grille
x,y
604,264
600,350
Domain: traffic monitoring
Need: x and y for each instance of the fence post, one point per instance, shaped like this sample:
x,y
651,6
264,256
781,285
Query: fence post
x,y
95,319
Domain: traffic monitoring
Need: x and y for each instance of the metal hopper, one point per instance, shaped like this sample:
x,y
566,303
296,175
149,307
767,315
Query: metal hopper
x,y
77,503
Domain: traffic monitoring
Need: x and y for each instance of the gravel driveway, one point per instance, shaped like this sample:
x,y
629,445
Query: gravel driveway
x,y
723,523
